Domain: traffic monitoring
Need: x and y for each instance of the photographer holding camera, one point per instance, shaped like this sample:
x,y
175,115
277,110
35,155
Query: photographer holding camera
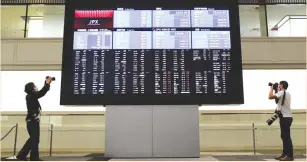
x,y
33,119
283,99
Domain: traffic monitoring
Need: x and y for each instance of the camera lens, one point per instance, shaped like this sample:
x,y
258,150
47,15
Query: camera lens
x,y
52,78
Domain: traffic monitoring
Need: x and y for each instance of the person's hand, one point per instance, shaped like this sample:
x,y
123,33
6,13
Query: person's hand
x,y
49,80
272,87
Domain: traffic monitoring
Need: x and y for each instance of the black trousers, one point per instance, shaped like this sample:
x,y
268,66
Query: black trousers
x,y
33,128
285,124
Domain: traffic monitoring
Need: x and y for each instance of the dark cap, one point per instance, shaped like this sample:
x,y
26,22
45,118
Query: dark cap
x,y
29,87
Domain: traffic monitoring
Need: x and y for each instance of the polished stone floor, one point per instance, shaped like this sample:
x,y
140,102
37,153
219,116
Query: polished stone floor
x,y
205,156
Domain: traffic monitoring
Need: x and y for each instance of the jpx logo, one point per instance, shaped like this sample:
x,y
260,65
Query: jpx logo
x,y
93,22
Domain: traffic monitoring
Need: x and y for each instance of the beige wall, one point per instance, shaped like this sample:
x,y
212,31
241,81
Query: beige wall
x,y
219,131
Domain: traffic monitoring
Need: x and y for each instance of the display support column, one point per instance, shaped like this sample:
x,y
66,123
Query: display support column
x,y
128,131
152,131
176,131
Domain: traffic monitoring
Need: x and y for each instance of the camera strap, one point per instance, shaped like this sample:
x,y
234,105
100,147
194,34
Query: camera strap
x,y
283,99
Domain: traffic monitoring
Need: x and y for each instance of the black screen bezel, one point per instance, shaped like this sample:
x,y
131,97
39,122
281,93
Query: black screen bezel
x,y
235,87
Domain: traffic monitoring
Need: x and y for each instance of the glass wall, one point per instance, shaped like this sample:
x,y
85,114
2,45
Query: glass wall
x,y
47,21
12,21
249,21
286,20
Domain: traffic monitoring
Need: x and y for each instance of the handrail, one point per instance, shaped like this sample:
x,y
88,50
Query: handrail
x,y
15,142
51,140
8,132
254,138
16,133
51,130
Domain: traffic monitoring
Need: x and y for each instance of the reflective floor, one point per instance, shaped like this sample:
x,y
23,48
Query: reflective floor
x,y
205,156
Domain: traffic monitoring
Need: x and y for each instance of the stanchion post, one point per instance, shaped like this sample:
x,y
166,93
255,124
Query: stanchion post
x,y
51,138
15,142
254,139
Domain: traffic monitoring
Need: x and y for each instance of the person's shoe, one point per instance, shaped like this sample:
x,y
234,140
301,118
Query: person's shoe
x,y
279,157
21,158
286,158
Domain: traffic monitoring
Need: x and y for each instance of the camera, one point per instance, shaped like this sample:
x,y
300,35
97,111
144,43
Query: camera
x,y
52,78
275,86
277,114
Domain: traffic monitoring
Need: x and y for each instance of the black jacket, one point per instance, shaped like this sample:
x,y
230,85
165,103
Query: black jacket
x,y
33,105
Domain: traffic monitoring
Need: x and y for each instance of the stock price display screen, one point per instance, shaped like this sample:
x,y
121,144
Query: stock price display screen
x,y
152,56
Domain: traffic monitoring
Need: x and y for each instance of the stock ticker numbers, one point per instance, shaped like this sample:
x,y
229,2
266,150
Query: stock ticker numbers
x,y
151,52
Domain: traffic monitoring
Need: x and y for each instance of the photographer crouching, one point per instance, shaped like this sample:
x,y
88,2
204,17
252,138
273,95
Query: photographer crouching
x,y
33,119
283,112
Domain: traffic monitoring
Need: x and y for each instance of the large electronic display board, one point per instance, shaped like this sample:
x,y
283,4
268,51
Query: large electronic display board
x,y
155,53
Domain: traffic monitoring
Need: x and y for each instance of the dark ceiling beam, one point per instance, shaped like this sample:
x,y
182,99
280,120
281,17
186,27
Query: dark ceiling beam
x,y
241,2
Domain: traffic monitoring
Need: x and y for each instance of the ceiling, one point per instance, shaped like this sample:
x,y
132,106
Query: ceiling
x,y
12,25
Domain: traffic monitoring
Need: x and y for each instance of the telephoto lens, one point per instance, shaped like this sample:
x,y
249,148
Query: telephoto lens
x,y
276,115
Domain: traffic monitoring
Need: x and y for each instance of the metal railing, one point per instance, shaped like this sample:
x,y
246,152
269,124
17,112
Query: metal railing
x,y
253,139
253,129
51,139
16,134
52,129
